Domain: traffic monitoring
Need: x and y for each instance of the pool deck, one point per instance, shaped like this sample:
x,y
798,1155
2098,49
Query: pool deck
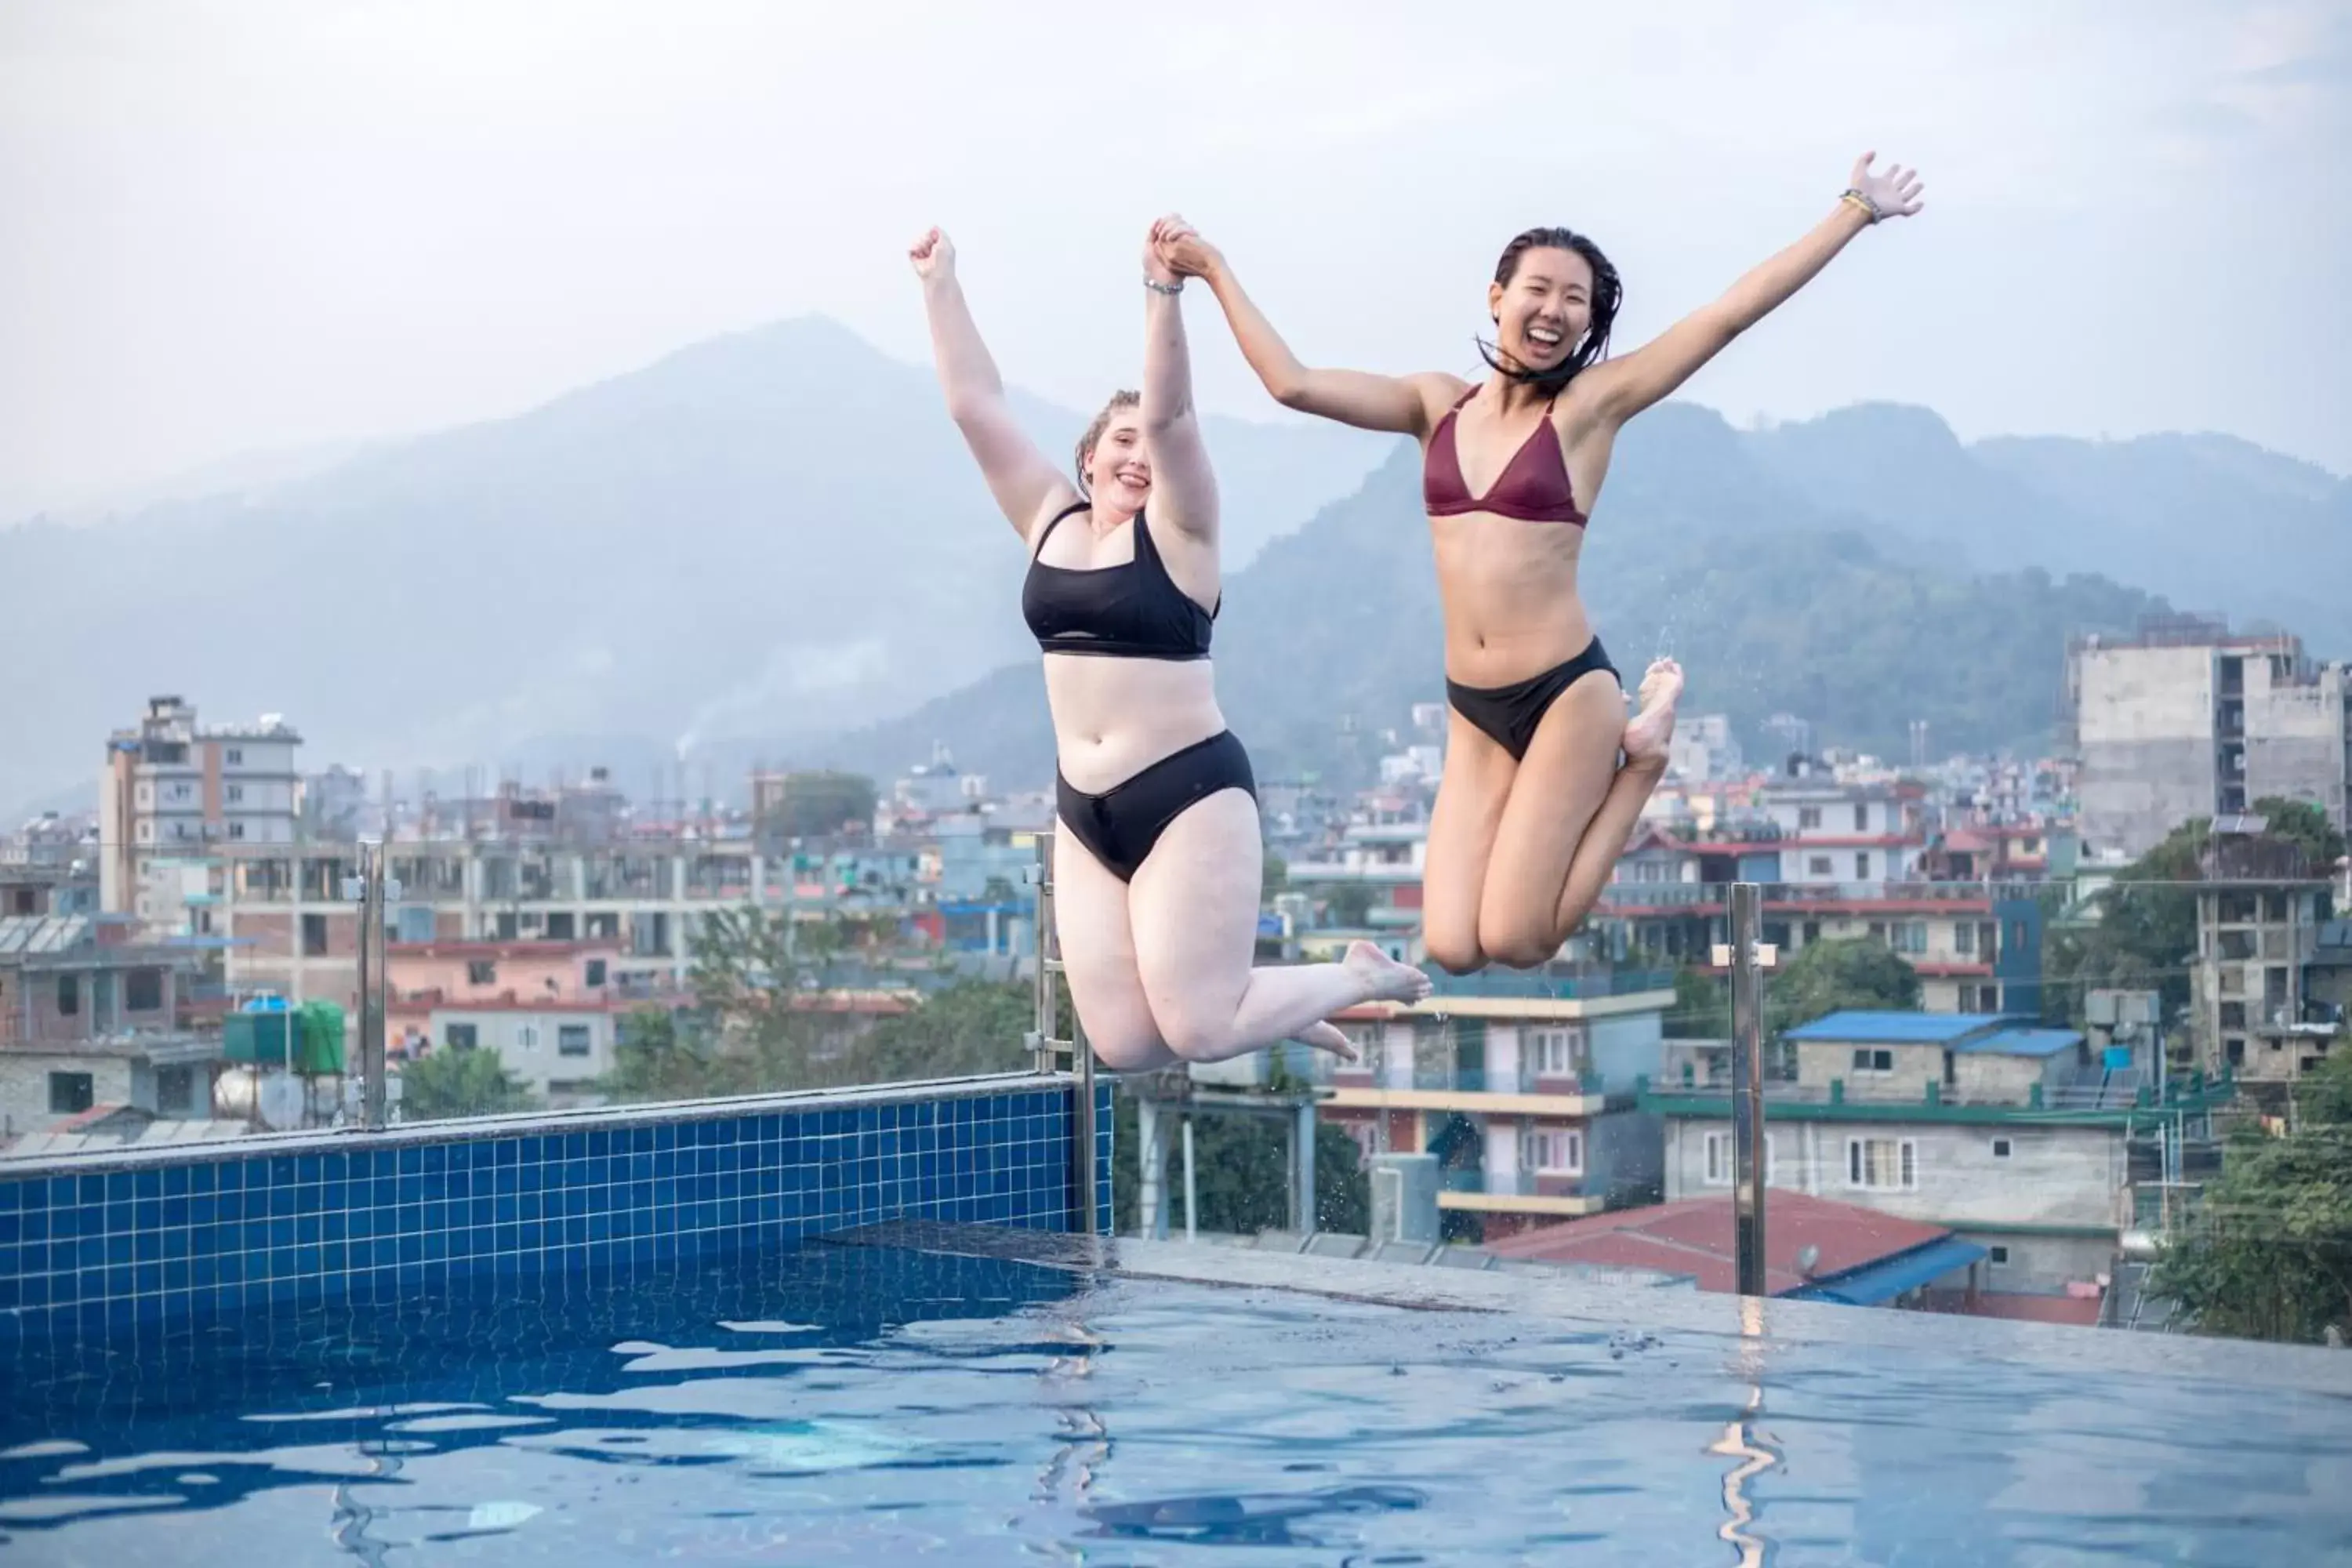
x,y
1638,1308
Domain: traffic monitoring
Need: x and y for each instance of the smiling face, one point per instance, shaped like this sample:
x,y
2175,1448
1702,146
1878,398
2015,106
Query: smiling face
x,y
1543,307
1112,460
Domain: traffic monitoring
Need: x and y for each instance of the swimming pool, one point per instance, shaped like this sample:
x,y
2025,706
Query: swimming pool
x,y
875,1404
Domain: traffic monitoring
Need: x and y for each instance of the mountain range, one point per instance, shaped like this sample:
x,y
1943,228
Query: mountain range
x,y
764,543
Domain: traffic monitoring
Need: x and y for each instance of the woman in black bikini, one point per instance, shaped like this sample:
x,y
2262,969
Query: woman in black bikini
x,y
1156,867
1545,778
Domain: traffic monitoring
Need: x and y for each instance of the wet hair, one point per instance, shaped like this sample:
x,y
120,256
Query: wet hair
x,y
1608,293
1118,400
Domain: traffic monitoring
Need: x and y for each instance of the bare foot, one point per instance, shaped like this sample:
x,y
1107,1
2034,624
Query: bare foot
x,y
1384,977
1326,1037
1647,732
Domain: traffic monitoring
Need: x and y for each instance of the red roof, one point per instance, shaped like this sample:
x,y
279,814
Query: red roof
x,y
1694,1237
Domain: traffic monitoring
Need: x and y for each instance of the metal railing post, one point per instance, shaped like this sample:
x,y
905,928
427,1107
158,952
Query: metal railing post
x,y
374,983
1047,1044
1748,958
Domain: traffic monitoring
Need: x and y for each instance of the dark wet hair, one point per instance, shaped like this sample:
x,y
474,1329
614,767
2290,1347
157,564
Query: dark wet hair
x,y
1118,400
1608,293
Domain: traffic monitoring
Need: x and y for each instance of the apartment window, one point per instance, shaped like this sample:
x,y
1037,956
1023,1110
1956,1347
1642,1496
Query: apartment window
x,y
237,830
1817,865
234,756
1862,866
1964,938
2001,1148
179,792
71,1093
2235,1050
20,900
1861,819
146,832
1882,1164
1808,816
1908,936
481,972
1999,1256
1718,1159
1553,1149
69,995
235,793
596,972
572,1040
1867,1059
2017,936
1553,1052
460,1037
142,990
314,936
527,1036
2233,1014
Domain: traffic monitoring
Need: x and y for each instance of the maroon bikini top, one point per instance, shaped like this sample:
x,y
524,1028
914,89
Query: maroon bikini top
x,y
1533,487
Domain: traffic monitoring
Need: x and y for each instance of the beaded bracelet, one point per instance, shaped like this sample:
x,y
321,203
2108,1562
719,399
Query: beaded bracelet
x,y
1157,286
1870,207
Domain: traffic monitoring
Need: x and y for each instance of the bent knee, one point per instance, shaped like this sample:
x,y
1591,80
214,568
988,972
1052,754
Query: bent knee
x,y
1454,952
1519,944
1130,1050
1199,1039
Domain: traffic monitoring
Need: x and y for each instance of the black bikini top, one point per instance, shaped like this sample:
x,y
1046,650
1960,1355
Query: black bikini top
x,y
1132,610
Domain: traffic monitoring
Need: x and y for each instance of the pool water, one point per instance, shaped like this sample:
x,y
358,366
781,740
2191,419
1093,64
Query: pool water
x,y
862,1405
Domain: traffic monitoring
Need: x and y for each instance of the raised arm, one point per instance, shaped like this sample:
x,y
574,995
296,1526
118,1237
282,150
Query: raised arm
x,y
1025,481
1184,486
1623,387
1407,405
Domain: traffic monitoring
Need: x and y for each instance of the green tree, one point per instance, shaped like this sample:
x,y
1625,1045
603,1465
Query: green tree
x,y
2268,1253
1702,1007
1275,875
970,1027
748,964
1348,905
452,1082
1841,973
2301,822
814,804
1241,1174
659,1057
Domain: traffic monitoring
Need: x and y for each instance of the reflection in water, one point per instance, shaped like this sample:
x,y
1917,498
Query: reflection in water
x,y
1262,1518
1742,1441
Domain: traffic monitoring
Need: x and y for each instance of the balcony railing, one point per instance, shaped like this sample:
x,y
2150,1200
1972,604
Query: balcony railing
x,y
1782,895
2122,1091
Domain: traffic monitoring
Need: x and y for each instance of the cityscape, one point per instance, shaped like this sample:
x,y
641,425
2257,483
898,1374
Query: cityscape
x,y
1976,1115
1246,785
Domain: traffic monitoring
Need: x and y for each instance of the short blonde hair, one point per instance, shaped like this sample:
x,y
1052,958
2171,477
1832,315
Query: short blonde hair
x,y
1087,442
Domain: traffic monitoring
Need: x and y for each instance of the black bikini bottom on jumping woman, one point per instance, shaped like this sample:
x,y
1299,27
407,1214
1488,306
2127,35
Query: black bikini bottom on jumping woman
x,y
1122,823
1510,713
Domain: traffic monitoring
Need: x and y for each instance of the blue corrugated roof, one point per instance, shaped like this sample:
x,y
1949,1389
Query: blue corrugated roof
x,y
2023,1043
1889,1277
1898,1028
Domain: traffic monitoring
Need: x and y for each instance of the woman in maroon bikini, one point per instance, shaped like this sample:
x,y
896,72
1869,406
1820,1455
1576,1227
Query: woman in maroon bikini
x,y
1545,777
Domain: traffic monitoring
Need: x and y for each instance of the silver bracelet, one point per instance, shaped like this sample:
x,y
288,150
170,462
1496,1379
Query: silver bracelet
x,y
1157,286
1862,200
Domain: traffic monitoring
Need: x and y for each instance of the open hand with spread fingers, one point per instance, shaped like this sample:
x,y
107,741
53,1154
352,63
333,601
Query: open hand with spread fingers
x,y
1894,194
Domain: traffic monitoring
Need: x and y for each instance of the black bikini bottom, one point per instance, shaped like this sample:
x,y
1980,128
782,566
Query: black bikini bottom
x,y
1122,823
1510,713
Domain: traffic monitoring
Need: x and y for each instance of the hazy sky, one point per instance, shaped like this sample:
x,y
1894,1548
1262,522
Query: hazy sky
x,y
238,225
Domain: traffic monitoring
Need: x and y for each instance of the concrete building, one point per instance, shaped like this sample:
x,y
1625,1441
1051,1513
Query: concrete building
x,y
174,792
91,1018
1975,945
2015,1137
2186,721
2252,1010
1525,1084
1703,748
